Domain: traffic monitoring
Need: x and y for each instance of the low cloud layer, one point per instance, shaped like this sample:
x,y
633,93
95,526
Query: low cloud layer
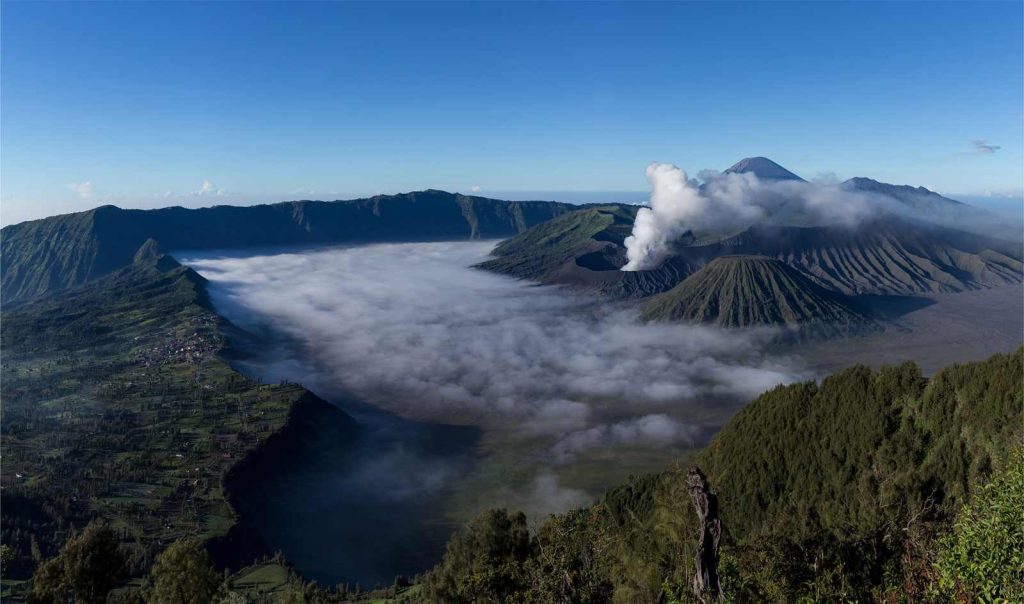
x,y
716,204
655,429
412,329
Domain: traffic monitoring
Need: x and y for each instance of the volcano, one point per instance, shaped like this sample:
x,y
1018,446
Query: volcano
x,y
763,168
745,291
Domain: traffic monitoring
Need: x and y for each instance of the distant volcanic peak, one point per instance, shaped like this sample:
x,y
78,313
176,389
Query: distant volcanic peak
x,y
763,168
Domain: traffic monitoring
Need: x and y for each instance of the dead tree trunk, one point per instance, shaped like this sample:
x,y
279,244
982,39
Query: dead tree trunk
x,y
706,586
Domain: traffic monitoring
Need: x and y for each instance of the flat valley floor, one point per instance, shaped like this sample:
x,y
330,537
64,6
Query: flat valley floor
x,y
956,328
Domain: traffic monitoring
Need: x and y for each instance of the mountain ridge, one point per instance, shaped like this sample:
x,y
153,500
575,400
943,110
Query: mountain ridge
x,y
891,255
862,183
54,253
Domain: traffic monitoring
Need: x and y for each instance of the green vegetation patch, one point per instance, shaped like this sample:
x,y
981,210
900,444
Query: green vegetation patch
x,y
549,245
118,404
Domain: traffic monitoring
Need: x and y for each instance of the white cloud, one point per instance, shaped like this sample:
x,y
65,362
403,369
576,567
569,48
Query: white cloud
x,y
208,189
655,429
412,329
545,374
546,495
475,189
82,189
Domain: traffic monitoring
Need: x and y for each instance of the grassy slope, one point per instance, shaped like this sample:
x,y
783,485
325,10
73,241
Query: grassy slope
x,y
547,246
742,291
54,253
116,403
274,580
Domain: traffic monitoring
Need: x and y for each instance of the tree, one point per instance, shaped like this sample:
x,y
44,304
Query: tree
x,y
48,582
983,558
6,556
569,563
485,562
183,574
86,569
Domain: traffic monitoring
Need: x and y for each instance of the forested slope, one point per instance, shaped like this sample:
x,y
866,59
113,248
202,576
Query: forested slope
x,y
838,491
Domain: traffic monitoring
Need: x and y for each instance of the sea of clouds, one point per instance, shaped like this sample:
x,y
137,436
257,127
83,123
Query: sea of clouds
x,y
415,330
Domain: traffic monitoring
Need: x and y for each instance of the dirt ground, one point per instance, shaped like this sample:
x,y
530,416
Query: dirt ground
x,y
955,328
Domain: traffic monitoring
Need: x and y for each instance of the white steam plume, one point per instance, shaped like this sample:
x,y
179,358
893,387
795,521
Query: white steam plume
x,y
718,204
675,201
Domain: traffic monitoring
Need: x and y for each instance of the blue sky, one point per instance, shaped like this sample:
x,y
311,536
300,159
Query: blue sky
x,y
140,104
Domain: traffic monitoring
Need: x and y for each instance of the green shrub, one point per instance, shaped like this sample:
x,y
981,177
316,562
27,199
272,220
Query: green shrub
x,y
982,559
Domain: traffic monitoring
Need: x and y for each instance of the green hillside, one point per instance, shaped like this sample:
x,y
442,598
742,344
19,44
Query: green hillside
x,y
540,250
745,291
60,252
845,490
51,254
117,404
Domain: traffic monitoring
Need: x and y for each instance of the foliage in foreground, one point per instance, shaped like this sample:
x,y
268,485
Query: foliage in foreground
x,y
183,574
86,569
495,560
830,492
983,556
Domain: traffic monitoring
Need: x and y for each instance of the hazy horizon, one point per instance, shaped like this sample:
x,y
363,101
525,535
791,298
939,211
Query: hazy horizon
x,y
1011,206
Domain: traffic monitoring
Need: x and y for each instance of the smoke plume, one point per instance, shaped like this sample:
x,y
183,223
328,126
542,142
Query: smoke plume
x,y
719,204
